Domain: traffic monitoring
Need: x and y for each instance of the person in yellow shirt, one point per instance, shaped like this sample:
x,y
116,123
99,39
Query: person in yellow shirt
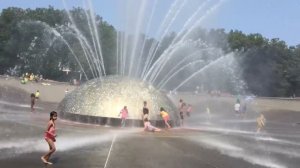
x,y
165,116
37,94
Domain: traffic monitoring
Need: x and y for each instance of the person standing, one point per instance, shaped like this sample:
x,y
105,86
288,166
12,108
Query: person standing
x,y
189,110
124,115
32,101
145,111
261,121
208,114
183,110
180,109
50,135
237,107
244,109
37,94
180,104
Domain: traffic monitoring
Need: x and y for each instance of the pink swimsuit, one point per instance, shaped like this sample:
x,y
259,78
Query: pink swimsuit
x,y
50,134
124,113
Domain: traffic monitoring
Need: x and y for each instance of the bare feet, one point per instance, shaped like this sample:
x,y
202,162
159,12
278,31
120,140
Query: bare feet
x,y
44,160
49,163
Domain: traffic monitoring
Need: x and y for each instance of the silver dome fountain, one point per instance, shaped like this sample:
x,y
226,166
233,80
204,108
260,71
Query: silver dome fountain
x,y
145,69
99,101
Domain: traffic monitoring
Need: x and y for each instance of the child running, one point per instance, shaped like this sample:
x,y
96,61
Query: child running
x,y
149,127
50,137
165,116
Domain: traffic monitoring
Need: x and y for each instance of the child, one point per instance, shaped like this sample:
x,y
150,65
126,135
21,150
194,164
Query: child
x,y
66,91
145,111
182,111
189,110
237,108
124,115
37,94
260,122
208,113
165,116
149,127
50,137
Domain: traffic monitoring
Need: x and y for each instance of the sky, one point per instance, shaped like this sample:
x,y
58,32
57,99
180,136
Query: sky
x,y
271,18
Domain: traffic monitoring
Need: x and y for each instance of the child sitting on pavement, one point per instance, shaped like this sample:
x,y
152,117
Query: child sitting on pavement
x,y
149,127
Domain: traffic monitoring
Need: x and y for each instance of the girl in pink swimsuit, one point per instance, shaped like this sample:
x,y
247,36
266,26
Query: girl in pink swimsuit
x,y
50,137
124,115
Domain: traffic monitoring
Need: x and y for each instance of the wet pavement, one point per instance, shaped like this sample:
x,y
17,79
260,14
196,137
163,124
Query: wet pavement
x,y
205,142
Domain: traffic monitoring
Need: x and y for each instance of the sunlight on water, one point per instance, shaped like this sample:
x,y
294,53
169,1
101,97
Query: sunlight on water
x,y
238,152
18,105
64,143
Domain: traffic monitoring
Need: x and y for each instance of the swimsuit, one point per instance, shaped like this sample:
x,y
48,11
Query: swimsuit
x,y
145,112
50,133
124,114
165,115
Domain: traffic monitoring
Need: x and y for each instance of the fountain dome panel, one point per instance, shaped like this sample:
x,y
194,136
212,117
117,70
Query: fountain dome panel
x,y
99,101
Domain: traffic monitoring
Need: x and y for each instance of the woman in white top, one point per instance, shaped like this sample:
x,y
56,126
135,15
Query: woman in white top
x,y
237,108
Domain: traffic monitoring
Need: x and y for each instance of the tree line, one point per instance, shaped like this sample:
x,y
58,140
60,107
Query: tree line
x,y
28,43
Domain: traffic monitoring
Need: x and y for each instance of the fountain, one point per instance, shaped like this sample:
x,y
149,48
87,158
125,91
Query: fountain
x,y
100,101
144,69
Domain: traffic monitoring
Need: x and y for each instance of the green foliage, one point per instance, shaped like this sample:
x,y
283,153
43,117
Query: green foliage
x,y
108,39
266,63
28,44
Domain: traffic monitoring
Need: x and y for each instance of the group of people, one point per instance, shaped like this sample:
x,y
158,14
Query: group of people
x,y
145,117
240,110
30,77
184,110
50,133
